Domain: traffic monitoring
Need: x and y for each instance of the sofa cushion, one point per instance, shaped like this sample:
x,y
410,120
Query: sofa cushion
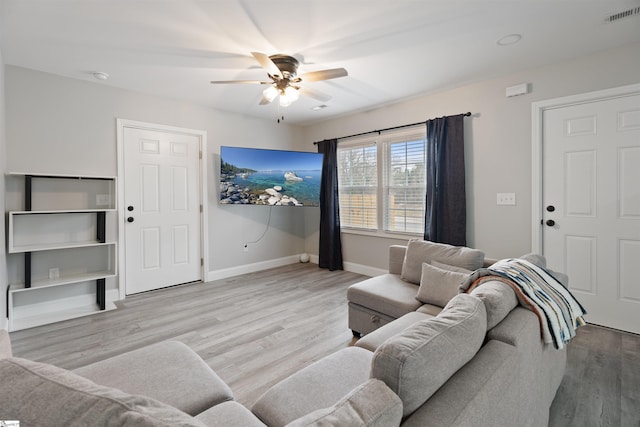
x,y
319,385
229,414
419,251
431,309
450,267
387,294
419,360
437,285
374,339
372,404
38,394
499,299
167,371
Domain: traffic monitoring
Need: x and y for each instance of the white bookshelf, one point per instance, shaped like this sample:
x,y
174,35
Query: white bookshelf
x,y
60,248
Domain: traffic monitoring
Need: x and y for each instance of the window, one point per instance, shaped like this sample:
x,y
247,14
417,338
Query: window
x,y
404,186
358,186
384,175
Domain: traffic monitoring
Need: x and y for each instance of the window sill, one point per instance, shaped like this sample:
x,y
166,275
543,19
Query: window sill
x,y
380,234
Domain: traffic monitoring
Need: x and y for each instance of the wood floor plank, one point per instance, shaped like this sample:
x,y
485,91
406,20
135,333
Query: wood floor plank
x,y
630,387
256,329
601,383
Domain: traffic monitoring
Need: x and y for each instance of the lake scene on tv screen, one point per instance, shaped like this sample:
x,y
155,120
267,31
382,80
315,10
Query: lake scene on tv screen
x,y
253,176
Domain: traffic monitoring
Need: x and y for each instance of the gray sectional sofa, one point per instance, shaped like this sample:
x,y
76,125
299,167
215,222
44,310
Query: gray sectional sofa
x,y
513,377
478,361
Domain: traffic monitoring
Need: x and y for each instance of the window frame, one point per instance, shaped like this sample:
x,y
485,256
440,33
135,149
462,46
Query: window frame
x,y
382,143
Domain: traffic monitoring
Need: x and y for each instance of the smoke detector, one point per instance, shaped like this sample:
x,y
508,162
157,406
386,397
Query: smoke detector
x,y
100,75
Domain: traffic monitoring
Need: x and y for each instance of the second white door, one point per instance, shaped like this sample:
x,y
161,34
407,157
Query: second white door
x,y
162,209
591,196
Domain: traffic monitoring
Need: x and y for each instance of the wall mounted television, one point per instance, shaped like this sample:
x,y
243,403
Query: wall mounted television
x,y
256,176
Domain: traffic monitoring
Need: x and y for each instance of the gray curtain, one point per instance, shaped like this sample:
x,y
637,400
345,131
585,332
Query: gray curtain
x,y
446,208
330,250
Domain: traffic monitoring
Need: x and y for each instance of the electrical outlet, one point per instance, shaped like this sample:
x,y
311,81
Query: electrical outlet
x,y
506,199
246,247
54,273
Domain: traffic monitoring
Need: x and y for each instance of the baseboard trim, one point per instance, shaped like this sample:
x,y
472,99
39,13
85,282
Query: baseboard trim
x,y
251,268
279,262
363,269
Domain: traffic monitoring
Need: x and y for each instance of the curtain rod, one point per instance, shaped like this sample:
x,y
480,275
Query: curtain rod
x,y
467,114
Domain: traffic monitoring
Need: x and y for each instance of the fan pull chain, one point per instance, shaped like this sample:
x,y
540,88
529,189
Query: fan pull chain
x,y
281,116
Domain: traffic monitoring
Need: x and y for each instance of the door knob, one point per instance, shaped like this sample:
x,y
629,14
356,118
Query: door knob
x,y
130,219
551,222
129,208
551,208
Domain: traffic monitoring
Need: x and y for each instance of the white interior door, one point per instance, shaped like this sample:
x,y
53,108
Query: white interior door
x,y
161,209
591,202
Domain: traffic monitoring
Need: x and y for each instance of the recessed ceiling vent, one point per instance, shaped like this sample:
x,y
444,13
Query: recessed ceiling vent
x,y
622,15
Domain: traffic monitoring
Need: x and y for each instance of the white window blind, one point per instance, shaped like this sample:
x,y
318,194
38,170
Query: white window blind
x,y
358,186
404,184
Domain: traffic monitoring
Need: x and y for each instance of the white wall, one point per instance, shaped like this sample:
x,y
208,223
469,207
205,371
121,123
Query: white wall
x,y
3,271
498,145
61,125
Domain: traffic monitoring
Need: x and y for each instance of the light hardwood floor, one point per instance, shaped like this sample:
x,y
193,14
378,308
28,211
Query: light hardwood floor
x,y
257,329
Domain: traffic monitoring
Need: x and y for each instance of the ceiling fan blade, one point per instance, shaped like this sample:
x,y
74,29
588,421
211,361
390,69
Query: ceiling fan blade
x,y
232,82
314,76
267,63
315,94
264,101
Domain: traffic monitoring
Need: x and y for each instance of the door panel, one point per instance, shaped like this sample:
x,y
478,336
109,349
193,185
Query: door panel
x,y
591,176
162,237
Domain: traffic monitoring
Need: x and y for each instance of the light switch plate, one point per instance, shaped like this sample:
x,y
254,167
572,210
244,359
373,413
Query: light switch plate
x,y
506,199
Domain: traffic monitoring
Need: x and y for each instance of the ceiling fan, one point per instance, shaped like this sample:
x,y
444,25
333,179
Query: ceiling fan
x,y
285,81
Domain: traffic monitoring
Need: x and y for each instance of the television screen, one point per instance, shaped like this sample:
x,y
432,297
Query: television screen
x,y
253,176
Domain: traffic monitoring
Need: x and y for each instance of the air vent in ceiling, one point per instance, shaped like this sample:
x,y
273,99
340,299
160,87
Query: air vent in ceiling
x,y
622,15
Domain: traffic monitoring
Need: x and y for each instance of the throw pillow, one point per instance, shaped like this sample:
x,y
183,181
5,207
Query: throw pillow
x,y
416,362
437,285
38,394
372,404
419,251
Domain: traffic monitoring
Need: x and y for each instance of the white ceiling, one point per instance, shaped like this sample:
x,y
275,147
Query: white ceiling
x,y
391,49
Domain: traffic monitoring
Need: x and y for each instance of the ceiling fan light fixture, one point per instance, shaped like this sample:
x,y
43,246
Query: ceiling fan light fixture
x,y
270,93
288,96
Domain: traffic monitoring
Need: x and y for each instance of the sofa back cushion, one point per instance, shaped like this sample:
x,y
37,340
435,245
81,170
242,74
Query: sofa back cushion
x,y
38,394
419,360
499,299
419,251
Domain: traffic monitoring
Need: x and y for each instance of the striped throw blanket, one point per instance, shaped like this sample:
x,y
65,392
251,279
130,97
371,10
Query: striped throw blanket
x,y
560,314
